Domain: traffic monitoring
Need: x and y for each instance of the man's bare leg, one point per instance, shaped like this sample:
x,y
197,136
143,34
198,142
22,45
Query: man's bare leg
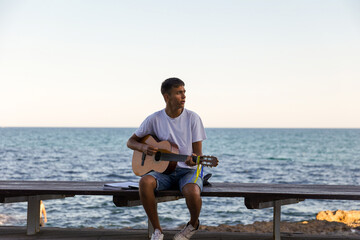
x,y
147,196
191,192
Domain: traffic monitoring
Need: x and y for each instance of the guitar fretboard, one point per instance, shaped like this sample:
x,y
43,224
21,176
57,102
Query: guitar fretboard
x,y
160,156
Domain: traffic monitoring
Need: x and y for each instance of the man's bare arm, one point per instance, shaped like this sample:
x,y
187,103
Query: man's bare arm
x,y
135,144
197,150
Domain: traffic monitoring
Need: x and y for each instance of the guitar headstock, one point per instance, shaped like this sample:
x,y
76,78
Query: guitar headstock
x,y
209,161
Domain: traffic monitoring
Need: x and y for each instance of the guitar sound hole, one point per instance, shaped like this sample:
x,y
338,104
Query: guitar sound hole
x,y
157,156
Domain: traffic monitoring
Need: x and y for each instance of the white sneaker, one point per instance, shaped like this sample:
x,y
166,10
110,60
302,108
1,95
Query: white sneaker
x,y
187,232
157,235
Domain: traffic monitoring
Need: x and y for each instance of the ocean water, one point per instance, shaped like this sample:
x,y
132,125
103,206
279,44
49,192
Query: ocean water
x,y
303,156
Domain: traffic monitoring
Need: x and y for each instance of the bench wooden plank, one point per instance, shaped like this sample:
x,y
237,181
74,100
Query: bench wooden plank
x,y
249,190
218,190
258,203
346,192
120,201
26,198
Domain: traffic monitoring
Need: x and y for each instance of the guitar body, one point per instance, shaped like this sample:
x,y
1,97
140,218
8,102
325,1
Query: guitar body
x,y
142,164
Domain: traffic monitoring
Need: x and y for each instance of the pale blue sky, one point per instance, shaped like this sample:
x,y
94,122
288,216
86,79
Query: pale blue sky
x,y
245,63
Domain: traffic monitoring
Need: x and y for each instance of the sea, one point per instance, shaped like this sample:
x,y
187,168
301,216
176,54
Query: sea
x,y
246,155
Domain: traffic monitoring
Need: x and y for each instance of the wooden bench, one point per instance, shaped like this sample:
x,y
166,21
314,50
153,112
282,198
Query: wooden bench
x,y
256,195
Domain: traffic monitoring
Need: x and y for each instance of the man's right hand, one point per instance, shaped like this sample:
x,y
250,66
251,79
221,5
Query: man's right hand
x,y
149,150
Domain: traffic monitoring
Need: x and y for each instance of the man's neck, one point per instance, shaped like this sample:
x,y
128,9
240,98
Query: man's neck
x,y
173,113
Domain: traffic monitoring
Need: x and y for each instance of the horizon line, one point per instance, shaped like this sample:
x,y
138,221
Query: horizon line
x,y
205,127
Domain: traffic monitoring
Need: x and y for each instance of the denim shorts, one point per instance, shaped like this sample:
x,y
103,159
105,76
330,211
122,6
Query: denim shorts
x,y
177,179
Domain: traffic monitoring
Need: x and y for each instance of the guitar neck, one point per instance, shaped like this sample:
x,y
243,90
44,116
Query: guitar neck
x,y
161,156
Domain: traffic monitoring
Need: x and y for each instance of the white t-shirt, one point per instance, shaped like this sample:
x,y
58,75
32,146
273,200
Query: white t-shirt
x,y
183,130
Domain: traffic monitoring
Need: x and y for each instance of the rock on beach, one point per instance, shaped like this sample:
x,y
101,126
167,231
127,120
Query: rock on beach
x,y
350,218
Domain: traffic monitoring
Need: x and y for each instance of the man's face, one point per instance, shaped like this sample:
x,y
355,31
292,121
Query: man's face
x,y
176,97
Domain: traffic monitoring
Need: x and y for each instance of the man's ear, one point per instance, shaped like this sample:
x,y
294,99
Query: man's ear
x,y
166,97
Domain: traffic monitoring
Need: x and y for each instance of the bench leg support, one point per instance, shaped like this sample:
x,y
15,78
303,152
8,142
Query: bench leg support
x,y
33,215
276,220
260,203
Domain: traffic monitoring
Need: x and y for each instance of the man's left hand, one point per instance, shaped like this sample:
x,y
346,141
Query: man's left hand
x,y
189,160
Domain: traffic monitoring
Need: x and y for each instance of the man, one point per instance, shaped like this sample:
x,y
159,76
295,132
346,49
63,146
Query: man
x,y
184,128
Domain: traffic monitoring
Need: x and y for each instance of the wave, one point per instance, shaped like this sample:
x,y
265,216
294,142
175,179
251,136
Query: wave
x,y
279,159
4,219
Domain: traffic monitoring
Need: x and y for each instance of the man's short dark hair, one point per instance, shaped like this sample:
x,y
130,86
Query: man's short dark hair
x,y
169,83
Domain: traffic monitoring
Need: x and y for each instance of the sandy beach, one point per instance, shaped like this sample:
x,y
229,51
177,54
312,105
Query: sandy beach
x,y
327,223
339,225
313,227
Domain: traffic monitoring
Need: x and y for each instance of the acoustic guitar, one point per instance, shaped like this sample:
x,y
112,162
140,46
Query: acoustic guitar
x,y
165,160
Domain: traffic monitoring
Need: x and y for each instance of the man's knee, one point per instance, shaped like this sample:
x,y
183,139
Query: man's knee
x,y
147,182
191,189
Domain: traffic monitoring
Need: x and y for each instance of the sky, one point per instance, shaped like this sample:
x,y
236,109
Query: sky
x,y
245,64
